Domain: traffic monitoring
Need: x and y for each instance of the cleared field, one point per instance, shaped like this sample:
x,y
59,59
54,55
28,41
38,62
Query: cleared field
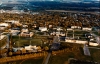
x,y
3,42
22,41
62,58
27,61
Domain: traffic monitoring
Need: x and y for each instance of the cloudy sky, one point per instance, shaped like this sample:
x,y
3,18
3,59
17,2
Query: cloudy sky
x,y
46,0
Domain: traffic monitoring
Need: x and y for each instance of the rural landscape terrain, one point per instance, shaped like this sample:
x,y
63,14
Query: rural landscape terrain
x,y
50,32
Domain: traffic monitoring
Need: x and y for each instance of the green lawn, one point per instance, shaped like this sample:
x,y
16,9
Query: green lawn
x,y
76,33
28,42
22,41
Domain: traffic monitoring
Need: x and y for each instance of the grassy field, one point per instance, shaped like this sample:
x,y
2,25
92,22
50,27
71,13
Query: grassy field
x,y
22,41
3,42
78,32
62,58
28,61
32,61
95,54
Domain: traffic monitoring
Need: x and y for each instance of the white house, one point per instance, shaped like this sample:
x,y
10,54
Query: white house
x,y
2,36
24,30
86,29
50,26
43,29
69,29
31,48
59,29
27,34
24,26
81,42
3,26
57,33
75,27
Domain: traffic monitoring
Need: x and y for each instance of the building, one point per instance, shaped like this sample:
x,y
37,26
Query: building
x,y
31,48
26,34
86,29
2,36
15,31
43,29
3,26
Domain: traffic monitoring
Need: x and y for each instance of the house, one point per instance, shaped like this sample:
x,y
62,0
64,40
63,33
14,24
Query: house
x,y
43,29
69,29
24,30
50,26
26,34
15,31
3,26
31,48
75,27
58,33
59,29
24,26
2,36
86,29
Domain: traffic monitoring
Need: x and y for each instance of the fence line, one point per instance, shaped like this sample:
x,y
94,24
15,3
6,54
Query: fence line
x,y
22,57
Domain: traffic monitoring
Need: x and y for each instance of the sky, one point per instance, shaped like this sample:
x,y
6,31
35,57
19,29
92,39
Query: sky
x,y
46,0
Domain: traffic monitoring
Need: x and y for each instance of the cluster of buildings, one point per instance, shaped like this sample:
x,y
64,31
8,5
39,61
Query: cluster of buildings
x,y
12,11
17,12
10,27
16,28
27,49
